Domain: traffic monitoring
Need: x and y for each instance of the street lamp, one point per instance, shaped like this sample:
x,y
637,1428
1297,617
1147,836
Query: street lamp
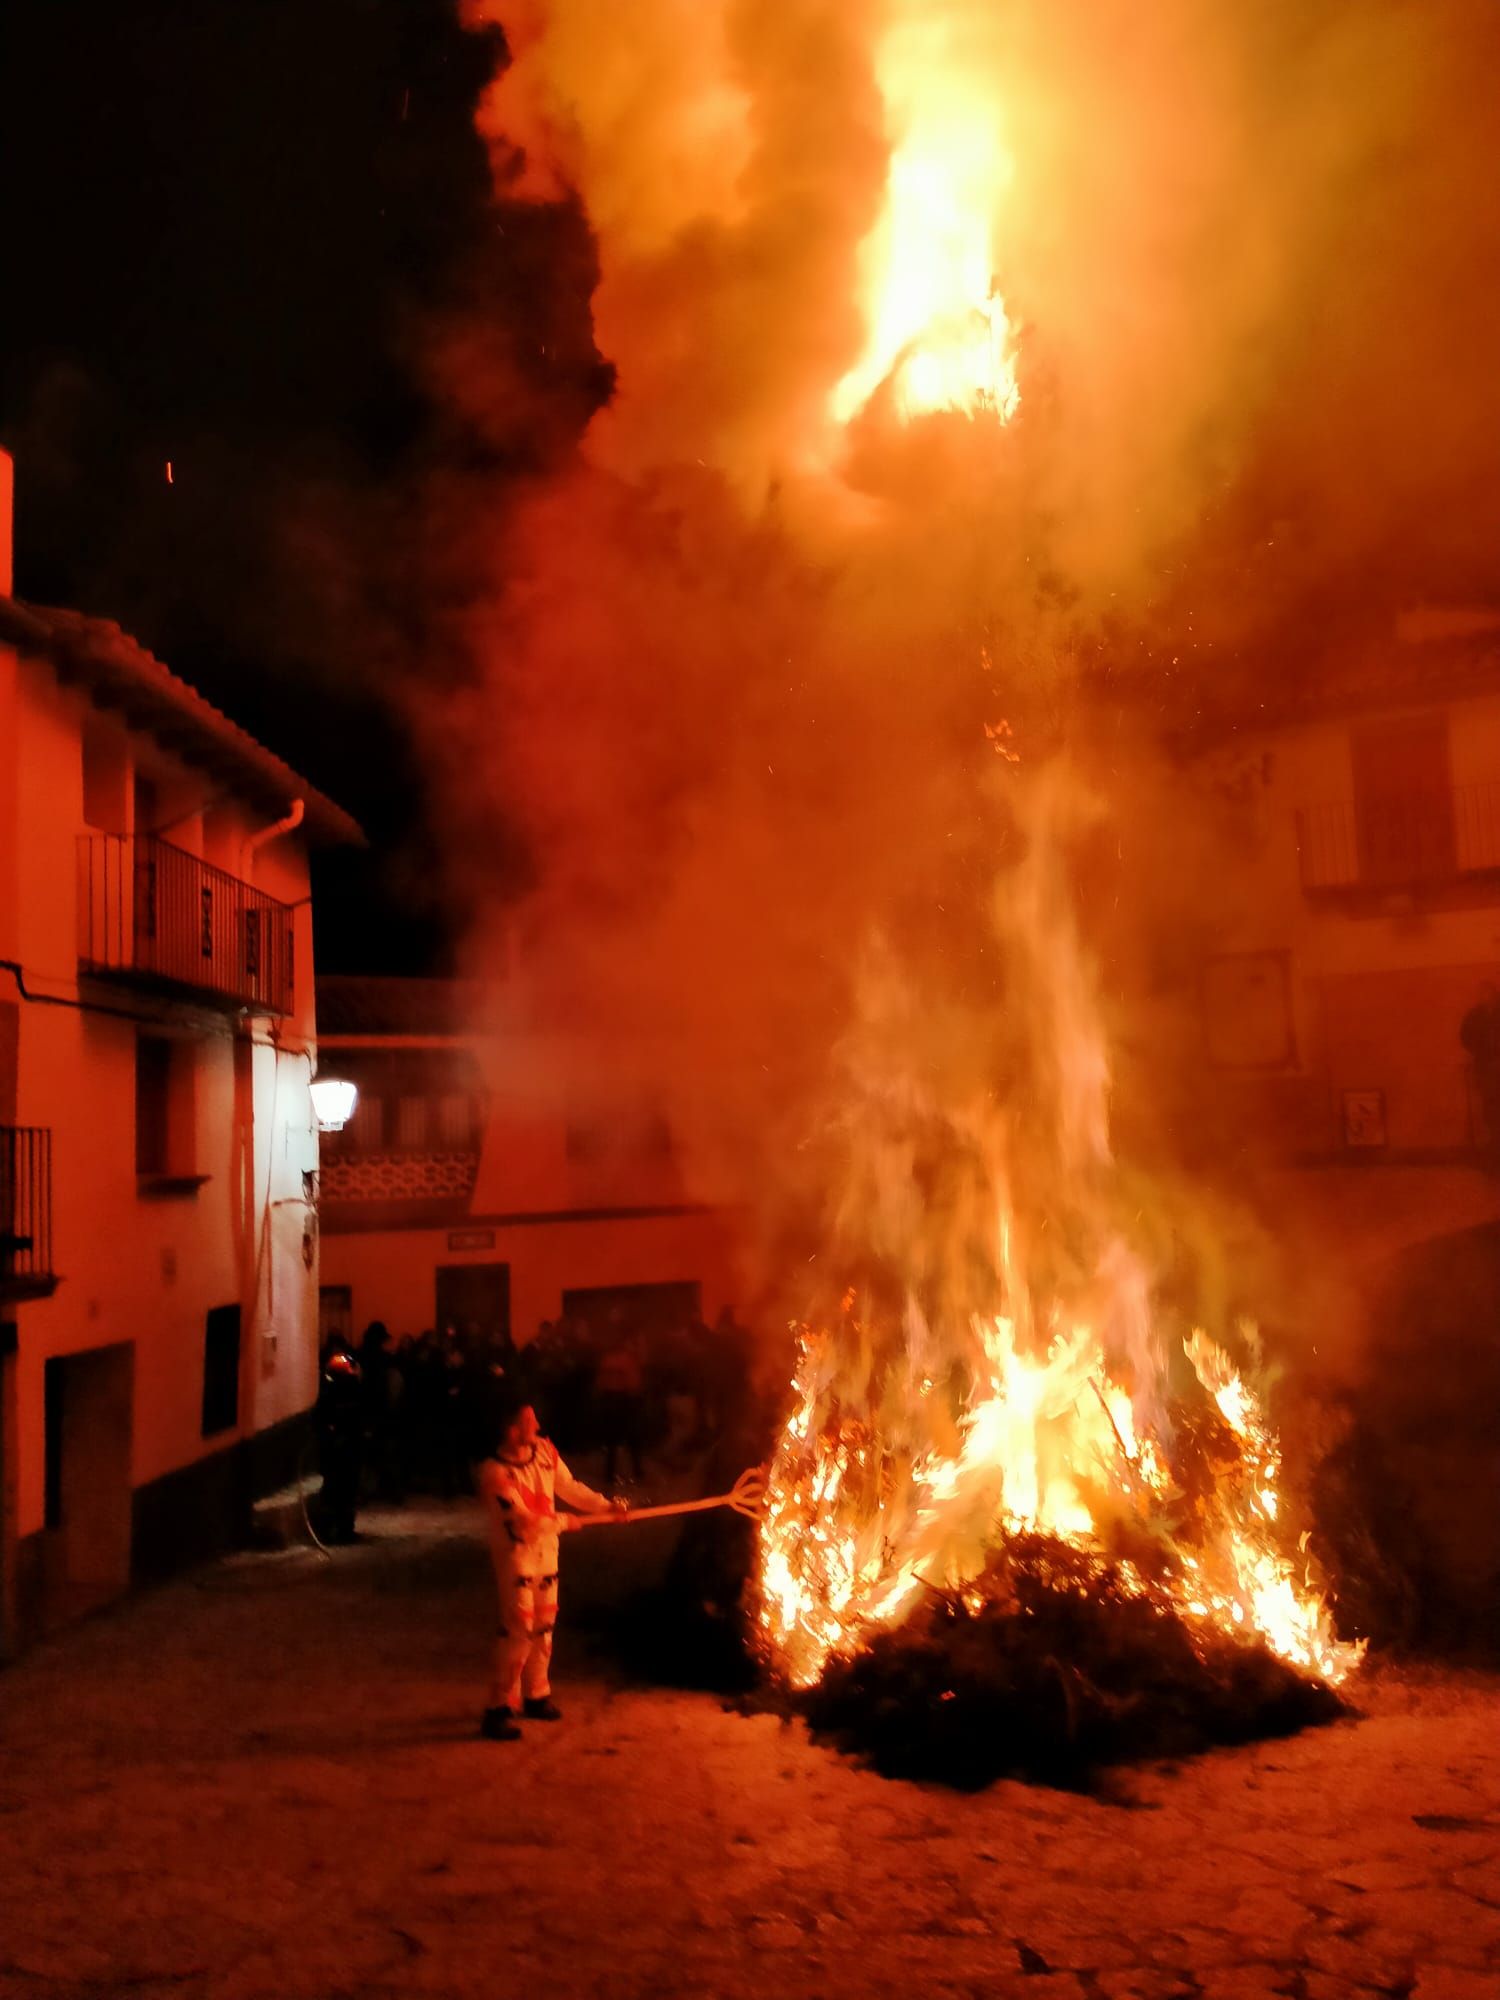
x,y
333,1101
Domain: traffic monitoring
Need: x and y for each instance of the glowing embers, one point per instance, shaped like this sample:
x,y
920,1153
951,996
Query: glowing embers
x,y
863,1519
938,334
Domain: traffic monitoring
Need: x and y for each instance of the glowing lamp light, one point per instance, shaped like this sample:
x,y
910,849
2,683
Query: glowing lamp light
x,y
333,1100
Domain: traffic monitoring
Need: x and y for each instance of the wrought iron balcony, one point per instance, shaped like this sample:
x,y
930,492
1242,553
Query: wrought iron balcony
x,y
153,914
26,1212
1400,840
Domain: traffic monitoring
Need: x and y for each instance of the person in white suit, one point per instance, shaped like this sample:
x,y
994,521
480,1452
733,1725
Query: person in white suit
x,y
521,1485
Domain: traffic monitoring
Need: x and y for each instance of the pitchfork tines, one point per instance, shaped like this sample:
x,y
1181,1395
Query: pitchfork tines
x,y
748,1493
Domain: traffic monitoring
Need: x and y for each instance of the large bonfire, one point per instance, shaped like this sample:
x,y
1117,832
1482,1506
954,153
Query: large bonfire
x,y
1005,1367
1001,1368
1003,1407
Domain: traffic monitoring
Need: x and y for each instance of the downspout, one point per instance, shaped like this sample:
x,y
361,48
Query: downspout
x,y
255,1219
257,841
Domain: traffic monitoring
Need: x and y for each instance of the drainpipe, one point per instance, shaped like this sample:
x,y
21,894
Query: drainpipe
x,y
256,841
255,1224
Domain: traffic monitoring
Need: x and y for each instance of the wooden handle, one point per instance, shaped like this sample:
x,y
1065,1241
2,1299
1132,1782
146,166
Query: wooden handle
x,y
745,1497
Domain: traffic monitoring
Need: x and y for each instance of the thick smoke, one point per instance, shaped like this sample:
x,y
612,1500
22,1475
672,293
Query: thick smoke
x,y
751,684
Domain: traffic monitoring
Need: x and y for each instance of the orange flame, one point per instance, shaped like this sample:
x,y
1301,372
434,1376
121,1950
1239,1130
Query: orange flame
x,y
939,336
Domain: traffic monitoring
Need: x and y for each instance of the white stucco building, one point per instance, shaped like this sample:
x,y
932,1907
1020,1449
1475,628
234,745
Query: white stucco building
x,y
158,1153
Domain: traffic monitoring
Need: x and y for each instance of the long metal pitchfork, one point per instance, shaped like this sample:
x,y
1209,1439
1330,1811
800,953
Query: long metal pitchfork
x,y
746,1496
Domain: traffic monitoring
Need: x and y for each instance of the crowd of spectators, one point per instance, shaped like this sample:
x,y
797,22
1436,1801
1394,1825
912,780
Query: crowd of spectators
x,y
412,1415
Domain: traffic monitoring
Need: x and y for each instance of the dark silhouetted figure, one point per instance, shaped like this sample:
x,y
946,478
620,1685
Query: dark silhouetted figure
x,y
339,1421
727,1367
424,1389
381,1376
454,1387
619,1388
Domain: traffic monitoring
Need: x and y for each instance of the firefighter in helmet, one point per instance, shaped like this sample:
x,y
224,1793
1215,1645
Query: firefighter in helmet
x,y
339,1421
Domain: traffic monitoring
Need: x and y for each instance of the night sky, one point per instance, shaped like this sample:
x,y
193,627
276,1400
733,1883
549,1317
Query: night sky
x,y
233,232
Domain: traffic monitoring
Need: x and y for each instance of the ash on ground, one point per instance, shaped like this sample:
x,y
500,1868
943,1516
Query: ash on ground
x,y
1051,1667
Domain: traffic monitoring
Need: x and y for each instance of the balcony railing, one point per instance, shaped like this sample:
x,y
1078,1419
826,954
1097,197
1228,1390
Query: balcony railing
x,y
1400,840
150,912
25,1212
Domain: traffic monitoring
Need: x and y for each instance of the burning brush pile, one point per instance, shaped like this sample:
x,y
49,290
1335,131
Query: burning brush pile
x,y
1052,1662
1046,1650
1023,1516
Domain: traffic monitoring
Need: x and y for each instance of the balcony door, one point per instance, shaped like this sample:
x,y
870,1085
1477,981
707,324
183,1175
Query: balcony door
x,y
1403,802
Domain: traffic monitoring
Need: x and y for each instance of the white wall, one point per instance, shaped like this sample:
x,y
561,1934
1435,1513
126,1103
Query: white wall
x,y
136,1267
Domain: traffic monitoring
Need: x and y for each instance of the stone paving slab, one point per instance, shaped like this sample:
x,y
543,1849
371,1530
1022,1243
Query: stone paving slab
x,y
262,1783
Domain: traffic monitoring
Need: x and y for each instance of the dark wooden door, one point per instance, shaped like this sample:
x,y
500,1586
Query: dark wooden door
x,y
474,1298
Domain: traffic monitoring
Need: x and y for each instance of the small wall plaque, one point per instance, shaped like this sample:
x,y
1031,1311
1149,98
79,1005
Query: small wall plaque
x,y
471,1239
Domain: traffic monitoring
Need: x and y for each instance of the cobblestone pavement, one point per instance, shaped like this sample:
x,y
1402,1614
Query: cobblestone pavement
x,y
263,1781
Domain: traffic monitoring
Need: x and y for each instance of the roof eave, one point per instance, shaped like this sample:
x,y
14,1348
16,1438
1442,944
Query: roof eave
x,y
118,672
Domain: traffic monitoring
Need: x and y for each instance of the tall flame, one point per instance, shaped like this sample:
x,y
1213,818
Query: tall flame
x,y
1009,1366
938,330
